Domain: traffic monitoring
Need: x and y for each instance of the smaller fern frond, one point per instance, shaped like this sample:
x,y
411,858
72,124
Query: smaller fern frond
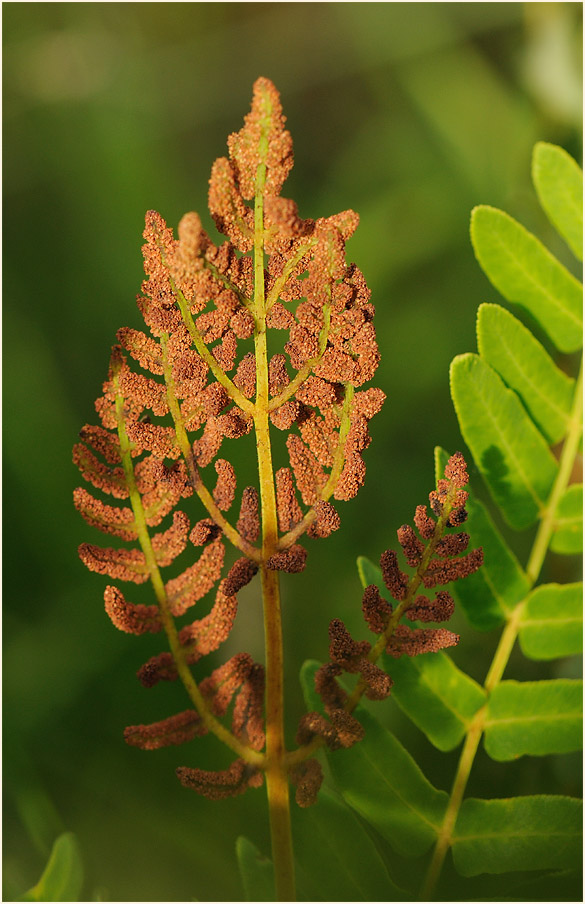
x,y
437,558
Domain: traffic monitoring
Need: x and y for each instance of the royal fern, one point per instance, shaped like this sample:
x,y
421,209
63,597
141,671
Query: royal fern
x,y
205,376
209,372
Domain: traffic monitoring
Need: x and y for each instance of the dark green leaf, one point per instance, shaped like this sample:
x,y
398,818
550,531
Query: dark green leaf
x,y
256,871
520,833
559,183
568,535
62,878
439,698
381,781
510,452
552,622
534,717
489,595
527,274
527,368
564,885
338,861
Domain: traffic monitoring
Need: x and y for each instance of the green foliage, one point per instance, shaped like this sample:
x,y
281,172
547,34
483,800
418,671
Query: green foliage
x,y
526,367
534,717
528,275
512,455
62,877
523,833
513,403
559,184
568,531
551,624
256,870
440,699
336,859
381,781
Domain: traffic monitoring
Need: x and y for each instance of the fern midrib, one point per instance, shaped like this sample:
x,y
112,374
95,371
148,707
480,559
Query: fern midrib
x,y
540,717
573,619
464,720
277,785
522,834
506,644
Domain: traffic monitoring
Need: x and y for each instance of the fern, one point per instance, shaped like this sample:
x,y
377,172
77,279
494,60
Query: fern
x,y
513,403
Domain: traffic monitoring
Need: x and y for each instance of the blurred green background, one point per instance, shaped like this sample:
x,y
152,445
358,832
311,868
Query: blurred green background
x,y
410,113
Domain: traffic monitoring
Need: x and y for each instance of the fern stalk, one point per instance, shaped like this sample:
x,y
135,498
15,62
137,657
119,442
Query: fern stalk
x,y
275,770
506,643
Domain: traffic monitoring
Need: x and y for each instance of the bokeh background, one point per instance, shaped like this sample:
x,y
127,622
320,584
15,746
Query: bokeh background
x,y
410,113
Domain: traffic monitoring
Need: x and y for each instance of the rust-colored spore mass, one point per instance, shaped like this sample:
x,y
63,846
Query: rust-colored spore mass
x,y
343,649
131,618
222,783
308,777
395,580
291,560
249,521
376,610
438,610
414,641
169,732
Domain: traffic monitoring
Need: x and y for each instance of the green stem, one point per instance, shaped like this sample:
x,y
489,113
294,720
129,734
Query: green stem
x,y
505,646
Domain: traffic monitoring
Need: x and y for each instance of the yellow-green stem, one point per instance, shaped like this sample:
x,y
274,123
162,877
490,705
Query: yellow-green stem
x,y
276,773
505,646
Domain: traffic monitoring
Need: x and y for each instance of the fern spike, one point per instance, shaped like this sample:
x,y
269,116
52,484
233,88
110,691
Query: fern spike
x,y
432,557
201,376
